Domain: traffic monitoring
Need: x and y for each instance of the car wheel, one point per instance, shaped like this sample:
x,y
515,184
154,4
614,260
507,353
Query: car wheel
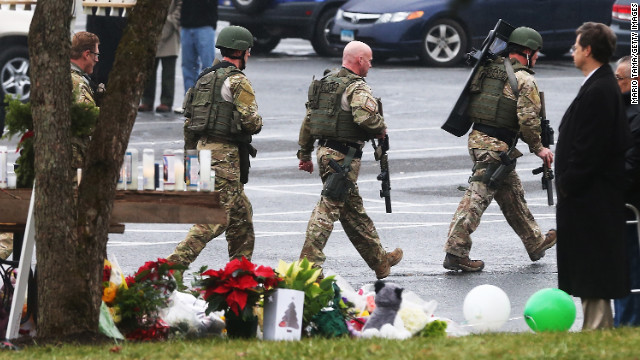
x,y
320,41
445,43
250,6
264,44
14,73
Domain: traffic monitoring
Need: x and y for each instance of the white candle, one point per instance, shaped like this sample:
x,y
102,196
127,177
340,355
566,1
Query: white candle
x,y
3,167
131,159
192,168
12,180
205,170
148,169
178,164
168,170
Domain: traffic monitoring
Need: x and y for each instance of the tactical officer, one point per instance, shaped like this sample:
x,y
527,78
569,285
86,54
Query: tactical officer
x,y
342,114
504,106
84,57
222,114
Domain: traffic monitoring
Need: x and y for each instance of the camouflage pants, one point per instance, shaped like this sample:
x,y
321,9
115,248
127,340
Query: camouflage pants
x,y
239,227
356,223
510,197
6,245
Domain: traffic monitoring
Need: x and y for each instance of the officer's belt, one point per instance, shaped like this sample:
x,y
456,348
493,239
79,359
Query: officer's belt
x,y
217,139
501,134
342,147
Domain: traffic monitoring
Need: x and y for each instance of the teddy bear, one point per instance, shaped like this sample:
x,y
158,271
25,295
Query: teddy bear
x,y
384,321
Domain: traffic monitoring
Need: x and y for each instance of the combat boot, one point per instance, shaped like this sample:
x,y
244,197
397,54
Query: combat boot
x,y
392,258
453,262
550,239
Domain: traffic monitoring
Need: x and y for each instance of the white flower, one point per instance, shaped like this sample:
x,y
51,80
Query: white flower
x,y
414,318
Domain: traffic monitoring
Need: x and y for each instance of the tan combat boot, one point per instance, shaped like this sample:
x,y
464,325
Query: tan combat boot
x,y
550,239
392,258
453,262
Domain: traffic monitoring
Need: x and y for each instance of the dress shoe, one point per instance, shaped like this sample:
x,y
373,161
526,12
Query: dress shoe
x,y
162,108
144,108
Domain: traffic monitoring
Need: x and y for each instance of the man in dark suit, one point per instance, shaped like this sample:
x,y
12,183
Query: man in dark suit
x,y
590,156
627,309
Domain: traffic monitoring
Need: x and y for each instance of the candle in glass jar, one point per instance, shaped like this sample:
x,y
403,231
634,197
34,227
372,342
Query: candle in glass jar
x,y
148,169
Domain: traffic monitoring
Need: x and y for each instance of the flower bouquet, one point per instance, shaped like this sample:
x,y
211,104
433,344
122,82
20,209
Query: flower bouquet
x,y
135,303
236,289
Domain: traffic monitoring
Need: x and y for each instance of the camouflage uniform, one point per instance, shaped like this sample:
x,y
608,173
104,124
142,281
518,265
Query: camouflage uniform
x,y
6,245
83,93
225,161
356,223
509,193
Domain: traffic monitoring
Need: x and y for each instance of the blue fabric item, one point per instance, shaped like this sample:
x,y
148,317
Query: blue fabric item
x,y
198,52
627,309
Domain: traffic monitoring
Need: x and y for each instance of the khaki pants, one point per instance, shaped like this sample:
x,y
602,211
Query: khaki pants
x,y
597,314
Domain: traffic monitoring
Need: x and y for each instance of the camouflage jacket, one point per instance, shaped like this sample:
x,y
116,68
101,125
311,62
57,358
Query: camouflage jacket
x,y
244,100
81,89
528,107
364,108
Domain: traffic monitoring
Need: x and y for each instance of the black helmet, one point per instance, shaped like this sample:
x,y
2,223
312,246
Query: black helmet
x,y
234,37
527,37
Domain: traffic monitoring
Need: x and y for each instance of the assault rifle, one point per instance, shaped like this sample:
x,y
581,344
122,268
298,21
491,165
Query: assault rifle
x,y
458,122
546,135
380,153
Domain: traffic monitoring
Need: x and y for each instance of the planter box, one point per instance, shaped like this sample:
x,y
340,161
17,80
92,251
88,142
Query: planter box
x,y
283,315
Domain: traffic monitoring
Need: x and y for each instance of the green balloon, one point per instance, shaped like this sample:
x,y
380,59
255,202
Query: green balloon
x,y
550,310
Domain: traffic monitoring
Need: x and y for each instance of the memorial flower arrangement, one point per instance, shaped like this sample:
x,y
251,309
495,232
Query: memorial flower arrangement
x,y
301,275
135,302
236,288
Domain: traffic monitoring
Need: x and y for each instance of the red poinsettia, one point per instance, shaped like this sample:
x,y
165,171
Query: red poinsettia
x,y
239,284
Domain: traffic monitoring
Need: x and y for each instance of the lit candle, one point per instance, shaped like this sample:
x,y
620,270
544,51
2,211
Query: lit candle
x,y
168,169
178,164
205,170
148,169
191,170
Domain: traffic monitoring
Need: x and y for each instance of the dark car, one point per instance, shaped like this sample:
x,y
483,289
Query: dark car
x,y
621,25
441,32
272,20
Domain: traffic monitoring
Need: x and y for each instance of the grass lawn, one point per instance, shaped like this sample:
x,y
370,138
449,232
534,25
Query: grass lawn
x,y
611,344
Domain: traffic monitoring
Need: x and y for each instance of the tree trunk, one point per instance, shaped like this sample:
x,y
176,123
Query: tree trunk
x,y
71,236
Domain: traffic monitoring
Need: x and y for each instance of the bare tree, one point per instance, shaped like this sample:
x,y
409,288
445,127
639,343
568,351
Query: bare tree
x,y
72,226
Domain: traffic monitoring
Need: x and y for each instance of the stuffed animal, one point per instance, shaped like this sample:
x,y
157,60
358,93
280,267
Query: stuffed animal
x,y
384,321
388,300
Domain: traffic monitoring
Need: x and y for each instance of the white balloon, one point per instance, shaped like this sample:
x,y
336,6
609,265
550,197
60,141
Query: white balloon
x,y
486,308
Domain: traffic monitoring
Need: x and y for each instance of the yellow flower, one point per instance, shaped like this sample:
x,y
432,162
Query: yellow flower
x,y
109,293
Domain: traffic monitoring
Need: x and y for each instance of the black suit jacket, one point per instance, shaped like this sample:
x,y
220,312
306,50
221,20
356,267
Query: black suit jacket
x,y
589,164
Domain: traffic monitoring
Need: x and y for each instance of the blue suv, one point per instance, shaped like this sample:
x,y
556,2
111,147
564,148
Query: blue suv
x,y
272,20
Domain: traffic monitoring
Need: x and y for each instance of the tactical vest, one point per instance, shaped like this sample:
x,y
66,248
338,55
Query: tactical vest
x,y
488,105
207,111
326,117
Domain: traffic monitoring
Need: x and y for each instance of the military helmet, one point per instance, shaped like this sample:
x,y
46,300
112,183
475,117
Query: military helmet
x,y
527,37
234,37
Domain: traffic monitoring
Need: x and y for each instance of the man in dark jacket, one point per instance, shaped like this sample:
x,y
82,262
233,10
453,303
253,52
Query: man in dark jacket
x,y
627,309
198,19
590,156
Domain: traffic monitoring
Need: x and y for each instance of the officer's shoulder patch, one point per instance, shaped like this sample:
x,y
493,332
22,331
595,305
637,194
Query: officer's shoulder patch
x,y
371,105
